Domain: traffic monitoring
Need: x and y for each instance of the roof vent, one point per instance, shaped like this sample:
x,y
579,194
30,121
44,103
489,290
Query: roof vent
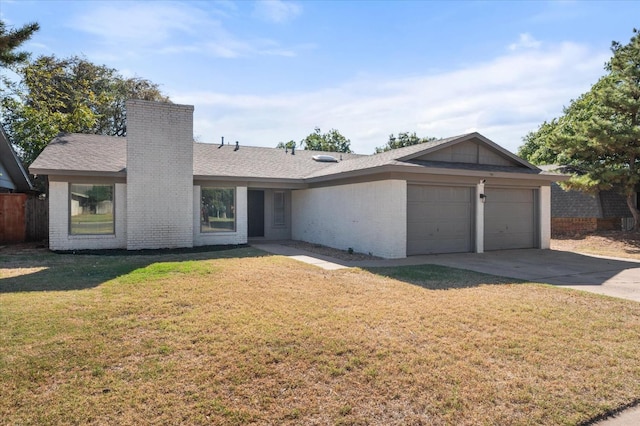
x,y
325,158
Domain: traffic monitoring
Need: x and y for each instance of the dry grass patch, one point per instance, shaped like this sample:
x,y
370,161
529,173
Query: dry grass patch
x,y
269,340
611,243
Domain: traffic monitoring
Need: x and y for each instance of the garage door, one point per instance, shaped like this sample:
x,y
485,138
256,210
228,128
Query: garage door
x,y
438,219
509,219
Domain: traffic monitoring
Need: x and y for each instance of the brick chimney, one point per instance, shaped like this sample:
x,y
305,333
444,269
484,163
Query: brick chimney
x,y
159,175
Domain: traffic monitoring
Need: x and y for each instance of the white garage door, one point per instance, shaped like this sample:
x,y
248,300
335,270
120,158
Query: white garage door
x,y
509,219
438,219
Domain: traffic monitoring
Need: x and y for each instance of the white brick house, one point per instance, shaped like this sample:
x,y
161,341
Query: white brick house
x,y
157,188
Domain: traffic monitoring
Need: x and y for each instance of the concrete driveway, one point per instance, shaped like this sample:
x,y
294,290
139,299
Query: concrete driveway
x,y
613,277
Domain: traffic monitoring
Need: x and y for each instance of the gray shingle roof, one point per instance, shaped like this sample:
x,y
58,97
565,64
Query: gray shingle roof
x,y
77,153
377,160
210,160
82,153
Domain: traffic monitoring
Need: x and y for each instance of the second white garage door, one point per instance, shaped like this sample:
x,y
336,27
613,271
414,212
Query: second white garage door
x,y
439,219
509,219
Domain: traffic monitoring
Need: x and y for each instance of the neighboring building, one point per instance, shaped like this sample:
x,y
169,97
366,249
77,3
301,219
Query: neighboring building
x,y
156,188
14,187
13,177
577,212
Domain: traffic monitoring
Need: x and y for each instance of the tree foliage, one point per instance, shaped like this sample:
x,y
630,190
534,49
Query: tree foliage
x,y
69,95
11,39
599,133
332,141
403,139
286,145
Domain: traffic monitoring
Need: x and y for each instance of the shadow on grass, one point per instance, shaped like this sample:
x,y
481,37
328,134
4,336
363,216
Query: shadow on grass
x,y
65,271
436,277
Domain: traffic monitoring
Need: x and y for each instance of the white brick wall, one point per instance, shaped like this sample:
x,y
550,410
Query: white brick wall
x,y
369,217
59,238
221,238
159,175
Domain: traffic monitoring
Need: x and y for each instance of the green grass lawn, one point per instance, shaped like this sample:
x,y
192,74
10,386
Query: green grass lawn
x,y
236,337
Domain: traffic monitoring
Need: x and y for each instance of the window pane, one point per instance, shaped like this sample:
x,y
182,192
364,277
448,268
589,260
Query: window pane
x,y
91,209
217,210
278,208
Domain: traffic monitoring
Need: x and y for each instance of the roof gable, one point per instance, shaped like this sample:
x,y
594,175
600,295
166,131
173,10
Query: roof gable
x,y
16,177
472,148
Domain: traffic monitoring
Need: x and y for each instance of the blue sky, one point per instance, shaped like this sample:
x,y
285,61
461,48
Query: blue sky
x,y
262,72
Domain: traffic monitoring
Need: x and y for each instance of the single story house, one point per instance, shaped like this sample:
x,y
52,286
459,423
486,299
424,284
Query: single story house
x,y
15,190
157,188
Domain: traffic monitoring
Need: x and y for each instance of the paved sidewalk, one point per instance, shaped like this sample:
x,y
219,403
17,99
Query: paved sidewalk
x,y
324,262
608,276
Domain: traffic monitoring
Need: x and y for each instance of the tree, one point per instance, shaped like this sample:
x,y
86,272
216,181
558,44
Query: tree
x,y
331,141
403,139
11,39
69,95
286,145
599,134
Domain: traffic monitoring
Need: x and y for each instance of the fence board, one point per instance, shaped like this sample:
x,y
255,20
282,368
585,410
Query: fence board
x,y
37,219
12,218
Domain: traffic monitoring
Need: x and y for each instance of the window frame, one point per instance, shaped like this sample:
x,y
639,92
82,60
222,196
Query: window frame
x,y
212,230
276,209
70,216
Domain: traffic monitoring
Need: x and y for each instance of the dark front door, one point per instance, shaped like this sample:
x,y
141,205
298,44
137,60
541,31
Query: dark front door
x,y
255,213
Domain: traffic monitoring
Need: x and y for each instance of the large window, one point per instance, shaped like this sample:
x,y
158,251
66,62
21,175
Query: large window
x,y
217,210
91,209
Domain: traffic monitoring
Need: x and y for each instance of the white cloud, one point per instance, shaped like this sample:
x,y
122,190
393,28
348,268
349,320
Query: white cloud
x,y
140,24
525,41
138,29
277,11
503,99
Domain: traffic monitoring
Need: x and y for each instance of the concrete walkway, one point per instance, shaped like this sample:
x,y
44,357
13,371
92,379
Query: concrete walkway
x,y
608,276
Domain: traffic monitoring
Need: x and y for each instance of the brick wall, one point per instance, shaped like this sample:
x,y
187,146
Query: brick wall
x,y
583,225
369,217
159,175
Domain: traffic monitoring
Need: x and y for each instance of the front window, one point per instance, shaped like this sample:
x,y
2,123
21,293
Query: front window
x,y
217,210
91,209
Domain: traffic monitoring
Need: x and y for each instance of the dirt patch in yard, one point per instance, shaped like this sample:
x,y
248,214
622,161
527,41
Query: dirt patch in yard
x,y
610,243
24,248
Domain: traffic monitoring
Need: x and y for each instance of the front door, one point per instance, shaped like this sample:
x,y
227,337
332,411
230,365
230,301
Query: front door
x,y
255,201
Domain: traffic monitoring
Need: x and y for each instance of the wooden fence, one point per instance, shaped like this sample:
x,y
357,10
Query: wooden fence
x,y
23,218
37,219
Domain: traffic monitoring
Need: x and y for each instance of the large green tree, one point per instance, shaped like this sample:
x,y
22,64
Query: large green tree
x,y
403,139
11,39
332,141
599,134
69,95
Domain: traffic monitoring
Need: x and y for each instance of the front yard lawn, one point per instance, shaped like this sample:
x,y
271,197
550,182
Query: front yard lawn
x,y
237,337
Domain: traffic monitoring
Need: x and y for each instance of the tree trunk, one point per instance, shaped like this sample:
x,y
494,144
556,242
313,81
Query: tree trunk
x,y
634,210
